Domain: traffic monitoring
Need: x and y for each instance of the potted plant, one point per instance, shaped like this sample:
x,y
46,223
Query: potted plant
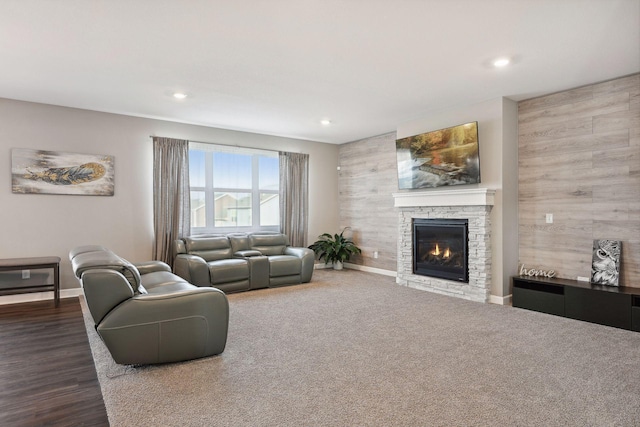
x,y
335,249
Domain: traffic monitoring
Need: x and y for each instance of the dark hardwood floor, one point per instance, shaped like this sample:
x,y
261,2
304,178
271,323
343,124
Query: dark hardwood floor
x,y
47,375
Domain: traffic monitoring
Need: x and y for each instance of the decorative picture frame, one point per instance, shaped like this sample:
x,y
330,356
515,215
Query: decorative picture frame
x,y
605,264
448,156
55,172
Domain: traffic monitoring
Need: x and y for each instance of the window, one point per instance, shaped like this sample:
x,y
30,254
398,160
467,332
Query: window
x,y
233,189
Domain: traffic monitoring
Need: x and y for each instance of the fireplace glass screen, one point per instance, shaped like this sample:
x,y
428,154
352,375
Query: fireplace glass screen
x,y
440,248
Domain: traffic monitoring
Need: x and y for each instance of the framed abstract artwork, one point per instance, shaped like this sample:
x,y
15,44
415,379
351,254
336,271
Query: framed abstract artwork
x,y
55,172
605,264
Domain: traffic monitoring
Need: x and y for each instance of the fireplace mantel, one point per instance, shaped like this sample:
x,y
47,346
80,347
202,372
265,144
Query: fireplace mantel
x,y
472,204
463,197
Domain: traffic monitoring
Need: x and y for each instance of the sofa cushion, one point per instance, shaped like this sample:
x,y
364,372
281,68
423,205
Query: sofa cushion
x,y
228,270
269,244
284,265
159,279
210,248
171,288
239,242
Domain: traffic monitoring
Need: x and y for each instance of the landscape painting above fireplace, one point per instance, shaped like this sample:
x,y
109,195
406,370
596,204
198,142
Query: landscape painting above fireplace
x,y
447,156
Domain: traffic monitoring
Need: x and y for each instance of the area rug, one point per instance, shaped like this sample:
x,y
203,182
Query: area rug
x,y
355,349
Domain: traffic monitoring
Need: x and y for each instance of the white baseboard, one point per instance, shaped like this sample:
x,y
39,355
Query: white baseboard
x,y
370,269
321,266
494,299
39,296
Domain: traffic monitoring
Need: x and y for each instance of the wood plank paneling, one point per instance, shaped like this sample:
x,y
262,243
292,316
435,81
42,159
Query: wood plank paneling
x,y
579,159
584,109
576,144
560,98
368,176
570,128
623,84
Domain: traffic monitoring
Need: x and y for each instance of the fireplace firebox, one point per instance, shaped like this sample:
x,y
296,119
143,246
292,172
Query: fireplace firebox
x,y
440,248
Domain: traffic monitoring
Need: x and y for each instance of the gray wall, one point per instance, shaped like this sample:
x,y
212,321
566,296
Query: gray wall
x,y
42,225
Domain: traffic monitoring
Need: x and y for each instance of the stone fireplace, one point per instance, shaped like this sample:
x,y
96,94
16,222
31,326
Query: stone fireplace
x,y
440,248
472,206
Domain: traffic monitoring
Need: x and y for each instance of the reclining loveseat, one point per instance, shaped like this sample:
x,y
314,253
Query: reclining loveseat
x,y
241,262
144,313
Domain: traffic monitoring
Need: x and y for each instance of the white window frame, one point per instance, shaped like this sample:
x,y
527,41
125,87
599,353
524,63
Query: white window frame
x,y
209,190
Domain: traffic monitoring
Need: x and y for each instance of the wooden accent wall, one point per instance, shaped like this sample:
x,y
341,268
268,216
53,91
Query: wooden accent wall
x,y
579,159
368,176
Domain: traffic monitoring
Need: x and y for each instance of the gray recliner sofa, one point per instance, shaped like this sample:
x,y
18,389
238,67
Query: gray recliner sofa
x,y
144,313
240,262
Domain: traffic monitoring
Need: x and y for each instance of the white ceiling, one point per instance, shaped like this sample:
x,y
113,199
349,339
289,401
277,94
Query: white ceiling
x,y
280,66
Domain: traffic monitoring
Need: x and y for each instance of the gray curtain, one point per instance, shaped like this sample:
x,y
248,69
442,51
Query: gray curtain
x,y
294,198
171,195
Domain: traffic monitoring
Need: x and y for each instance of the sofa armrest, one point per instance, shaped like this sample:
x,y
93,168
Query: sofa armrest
x,y
104,289
151,266
193,269
308,259
167,327
298,252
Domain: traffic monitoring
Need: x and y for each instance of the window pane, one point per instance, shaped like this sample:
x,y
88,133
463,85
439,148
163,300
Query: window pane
x,y
196,168
269,173
232,209
269,209
231,170
198,210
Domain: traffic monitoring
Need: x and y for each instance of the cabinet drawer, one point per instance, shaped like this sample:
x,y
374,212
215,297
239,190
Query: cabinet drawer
x,y
538,297
605,308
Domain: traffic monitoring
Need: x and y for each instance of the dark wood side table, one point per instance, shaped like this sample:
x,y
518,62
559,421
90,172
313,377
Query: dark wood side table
x,y
33,263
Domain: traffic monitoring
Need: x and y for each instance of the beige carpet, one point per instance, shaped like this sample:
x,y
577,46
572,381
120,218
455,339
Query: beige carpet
x,y
355,349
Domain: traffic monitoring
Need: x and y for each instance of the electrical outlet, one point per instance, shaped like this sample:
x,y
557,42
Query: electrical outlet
x,y
549,218
26,274
375,254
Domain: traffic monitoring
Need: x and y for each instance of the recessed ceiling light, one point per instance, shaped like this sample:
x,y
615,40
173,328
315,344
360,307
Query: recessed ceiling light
x,y
180,95
325,122
501,62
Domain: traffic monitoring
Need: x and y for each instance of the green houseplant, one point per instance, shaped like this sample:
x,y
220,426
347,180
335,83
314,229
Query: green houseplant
x,y
334,249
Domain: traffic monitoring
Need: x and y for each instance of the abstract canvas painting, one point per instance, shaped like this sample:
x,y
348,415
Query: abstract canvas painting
x,y
605,265
54,172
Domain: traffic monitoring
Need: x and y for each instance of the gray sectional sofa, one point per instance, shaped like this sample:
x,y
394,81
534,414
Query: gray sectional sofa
x,y
144,313
241,262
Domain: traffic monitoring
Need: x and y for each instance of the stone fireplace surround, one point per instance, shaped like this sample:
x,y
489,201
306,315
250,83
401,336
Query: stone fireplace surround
x,y
472,204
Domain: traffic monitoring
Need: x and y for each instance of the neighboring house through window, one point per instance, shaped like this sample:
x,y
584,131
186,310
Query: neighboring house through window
x,y
233,189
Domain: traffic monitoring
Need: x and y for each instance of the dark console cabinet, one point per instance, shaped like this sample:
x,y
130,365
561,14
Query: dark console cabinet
x,y
607,305
635,313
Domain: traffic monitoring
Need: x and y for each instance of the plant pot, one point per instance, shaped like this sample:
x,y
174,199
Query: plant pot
x,y
337,265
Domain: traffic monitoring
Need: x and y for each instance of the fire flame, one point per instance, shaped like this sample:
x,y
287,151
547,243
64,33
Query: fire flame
x,y
436,252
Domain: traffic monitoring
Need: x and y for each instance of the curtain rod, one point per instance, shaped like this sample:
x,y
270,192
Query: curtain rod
x,y
226,145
